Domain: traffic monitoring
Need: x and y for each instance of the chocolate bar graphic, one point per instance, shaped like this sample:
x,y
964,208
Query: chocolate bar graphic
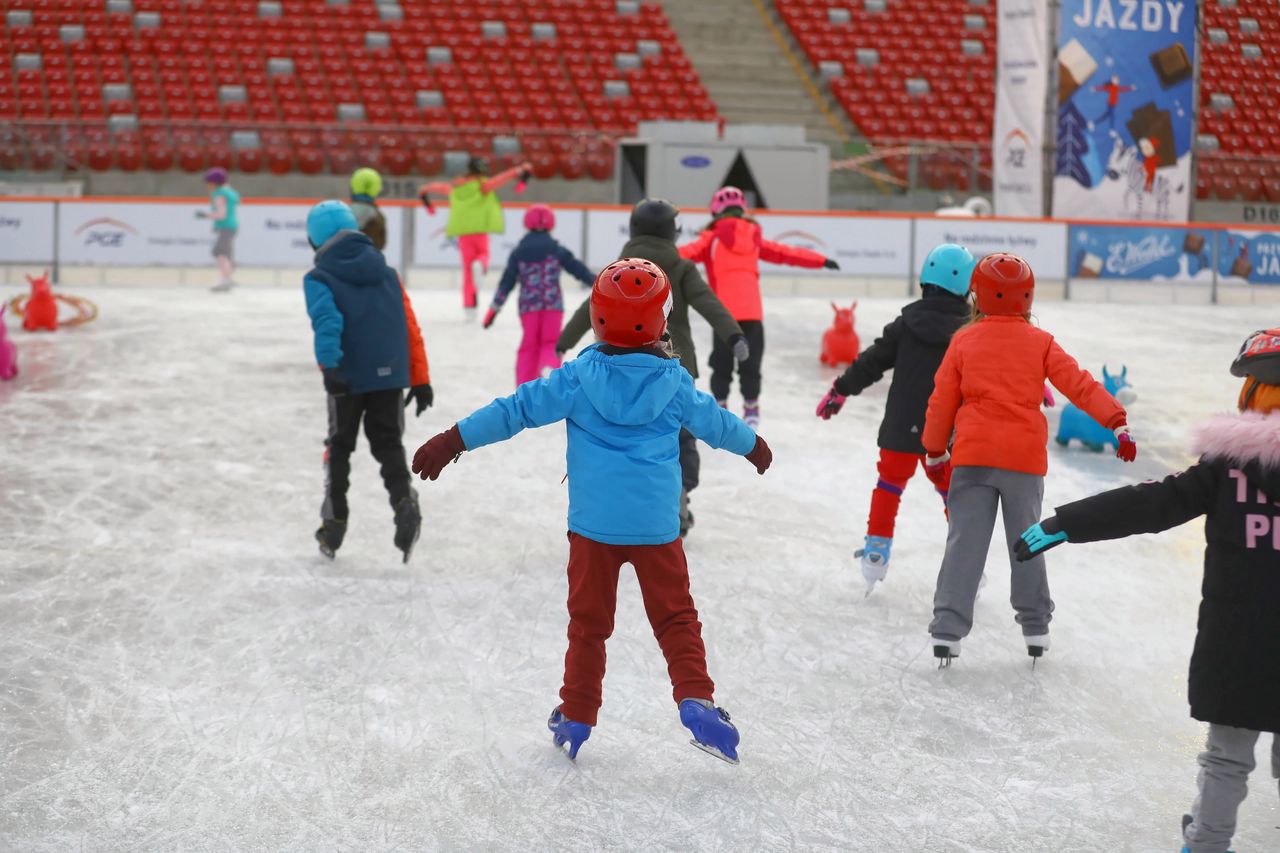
x,y
1172,65
1194,243
1075,66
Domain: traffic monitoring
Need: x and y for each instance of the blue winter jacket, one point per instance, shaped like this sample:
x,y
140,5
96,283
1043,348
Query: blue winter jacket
x,y
624,415
535,265
357,313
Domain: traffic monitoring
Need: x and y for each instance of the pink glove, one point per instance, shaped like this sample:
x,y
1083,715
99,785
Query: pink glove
x,y
489,317
1127,450
831,404
1048,401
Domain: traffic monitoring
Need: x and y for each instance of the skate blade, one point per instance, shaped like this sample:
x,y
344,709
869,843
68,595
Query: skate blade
x,y
327,551
871,585
563,746
711,750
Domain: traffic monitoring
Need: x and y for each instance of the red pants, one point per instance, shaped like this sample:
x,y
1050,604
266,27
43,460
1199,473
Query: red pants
x,y
472,247
895,470
593,596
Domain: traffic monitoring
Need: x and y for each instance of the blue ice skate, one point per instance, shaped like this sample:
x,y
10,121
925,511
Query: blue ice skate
x,y
712,731
568,735
875,560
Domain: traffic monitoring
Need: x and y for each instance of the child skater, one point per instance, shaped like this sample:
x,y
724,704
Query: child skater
x,y
731,248
535,265
474,214
1235,667
653,231
912,347
988,390
224,202
625,400
369,346
366,186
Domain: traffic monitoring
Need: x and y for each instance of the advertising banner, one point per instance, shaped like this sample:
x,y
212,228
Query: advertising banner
x,y
275,235
26,232
1141,253
431,248
1041,243
1125,101
1022,81
1253,256
608,232
125,234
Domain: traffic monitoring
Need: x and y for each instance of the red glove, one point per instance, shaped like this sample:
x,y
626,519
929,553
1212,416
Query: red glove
x,y
438,452
760,456
938,468
489,317
1128,448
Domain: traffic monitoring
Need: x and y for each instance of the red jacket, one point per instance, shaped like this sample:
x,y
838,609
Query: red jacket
x,y
989,389
419,370
732,249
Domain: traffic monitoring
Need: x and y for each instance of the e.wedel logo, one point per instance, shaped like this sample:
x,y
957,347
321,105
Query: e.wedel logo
x,y
1126,256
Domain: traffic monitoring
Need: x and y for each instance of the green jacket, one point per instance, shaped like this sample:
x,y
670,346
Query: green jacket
x,y
472,211
688,290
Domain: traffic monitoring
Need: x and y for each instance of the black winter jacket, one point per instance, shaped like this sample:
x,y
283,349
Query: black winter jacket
x,y
912,346
1235,667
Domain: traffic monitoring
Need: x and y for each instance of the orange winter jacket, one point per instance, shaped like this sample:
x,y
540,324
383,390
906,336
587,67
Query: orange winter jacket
x,y
732,249
989,389
419,370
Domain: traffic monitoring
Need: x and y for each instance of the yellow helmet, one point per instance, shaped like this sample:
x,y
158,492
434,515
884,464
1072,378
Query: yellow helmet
x,y
366,181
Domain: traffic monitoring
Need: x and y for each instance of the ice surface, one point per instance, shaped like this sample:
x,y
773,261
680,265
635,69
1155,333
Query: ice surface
x,y
180,670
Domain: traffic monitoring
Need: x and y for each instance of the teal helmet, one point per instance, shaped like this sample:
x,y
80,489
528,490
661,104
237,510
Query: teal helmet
x,y
950,267
328,218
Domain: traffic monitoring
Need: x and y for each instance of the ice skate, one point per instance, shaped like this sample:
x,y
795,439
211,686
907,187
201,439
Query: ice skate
x,y
408,524
875,560
330,535
568,735
686,515
1037,645
945,651
1186,821
751,413
223,286
712,731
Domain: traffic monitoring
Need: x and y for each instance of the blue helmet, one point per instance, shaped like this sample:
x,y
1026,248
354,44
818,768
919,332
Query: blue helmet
x,y
950,267
328,218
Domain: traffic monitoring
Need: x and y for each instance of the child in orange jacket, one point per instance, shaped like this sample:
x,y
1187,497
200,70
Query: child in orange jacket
x,y
988,390
731,247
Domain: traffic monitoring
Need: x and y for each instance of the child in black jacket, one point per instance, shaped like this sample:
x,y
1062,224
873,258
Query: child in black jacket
x,y
912,346
1235,667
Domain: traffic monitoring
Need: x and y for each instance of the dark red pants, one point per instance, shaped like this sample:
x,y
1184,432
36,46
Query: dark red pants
x,y
895,469
593,596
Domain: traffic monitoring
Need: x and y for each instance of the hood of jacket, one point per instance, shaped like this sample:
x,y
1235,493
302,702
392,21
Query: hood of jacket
x,y
738,236
540,242
1249,441
351,257
934,319
630,389
661,252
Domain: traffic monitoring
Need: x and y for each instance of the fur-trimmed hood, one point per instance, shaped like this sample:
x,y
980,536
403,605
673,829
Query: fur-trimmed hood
x,y
1249,441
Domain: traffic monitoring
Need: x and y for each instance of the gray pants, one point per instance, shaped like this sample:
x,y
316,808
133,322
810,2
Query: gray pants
x,y
1225,765
972,501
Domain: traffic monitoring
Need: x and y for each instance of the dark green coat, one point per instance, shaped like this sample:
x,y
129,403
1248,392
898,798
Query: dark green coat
x,y
688,290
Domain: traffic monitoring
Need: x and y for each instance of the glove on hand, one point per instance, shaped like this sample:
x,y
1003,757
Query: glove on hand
x,y
760,456
1048,401
1128,448
936,468
439,450
426,202
1039,538
334,383
489,317
830,264
741,349
831,404
202,214
424,397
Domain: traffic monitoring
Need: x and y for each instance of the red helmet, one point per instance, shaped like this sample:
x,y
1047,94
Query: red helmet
x,y
630,303
1003,284
539,217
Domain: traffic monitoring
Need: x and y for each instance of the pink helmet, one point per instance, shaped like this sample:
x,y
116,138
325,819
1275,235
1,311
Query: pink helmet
x,y
539,217
725,198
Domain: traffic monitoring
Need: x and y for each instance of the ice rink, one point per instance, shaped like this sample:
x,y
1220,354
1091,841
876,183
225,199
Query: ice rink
x,y
180,670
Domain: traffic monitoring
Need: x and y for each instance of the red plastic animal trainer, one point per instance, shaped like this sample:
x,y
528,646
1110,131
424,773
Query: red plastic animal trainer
x,y
41,310
840,342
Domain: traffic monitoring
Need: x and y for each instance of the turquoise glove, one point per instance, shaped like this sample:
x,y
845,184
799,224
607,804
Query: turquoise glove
x,y
1036,539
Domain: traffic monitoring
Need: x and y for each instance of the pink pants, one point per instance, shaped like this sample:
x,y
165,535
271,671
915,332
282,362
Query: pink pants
x,y
538,346
473,247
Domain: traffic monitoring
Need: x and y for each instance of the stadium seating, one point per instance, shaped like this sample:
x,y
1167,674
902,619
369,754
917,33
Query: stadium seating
x,y
325,84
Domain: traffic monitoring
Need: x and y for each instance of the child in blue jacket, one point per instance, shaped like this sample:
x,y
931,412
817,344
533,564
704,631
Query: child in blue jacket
x,y
369,346
625,400
535,265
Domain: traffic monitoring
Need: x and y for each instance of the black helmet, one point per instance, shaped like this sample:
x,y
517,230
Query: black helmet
x,y
478,166
1259,357
655,217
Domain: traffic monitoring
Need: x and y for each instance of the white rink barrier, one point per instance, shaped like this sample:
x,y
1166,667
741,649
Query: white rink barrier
x,y
165,232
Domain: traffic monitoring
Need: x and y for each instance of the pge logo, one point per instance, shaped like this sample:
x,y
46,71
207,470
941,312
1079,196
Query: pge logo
x,y
1015,146
106,232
